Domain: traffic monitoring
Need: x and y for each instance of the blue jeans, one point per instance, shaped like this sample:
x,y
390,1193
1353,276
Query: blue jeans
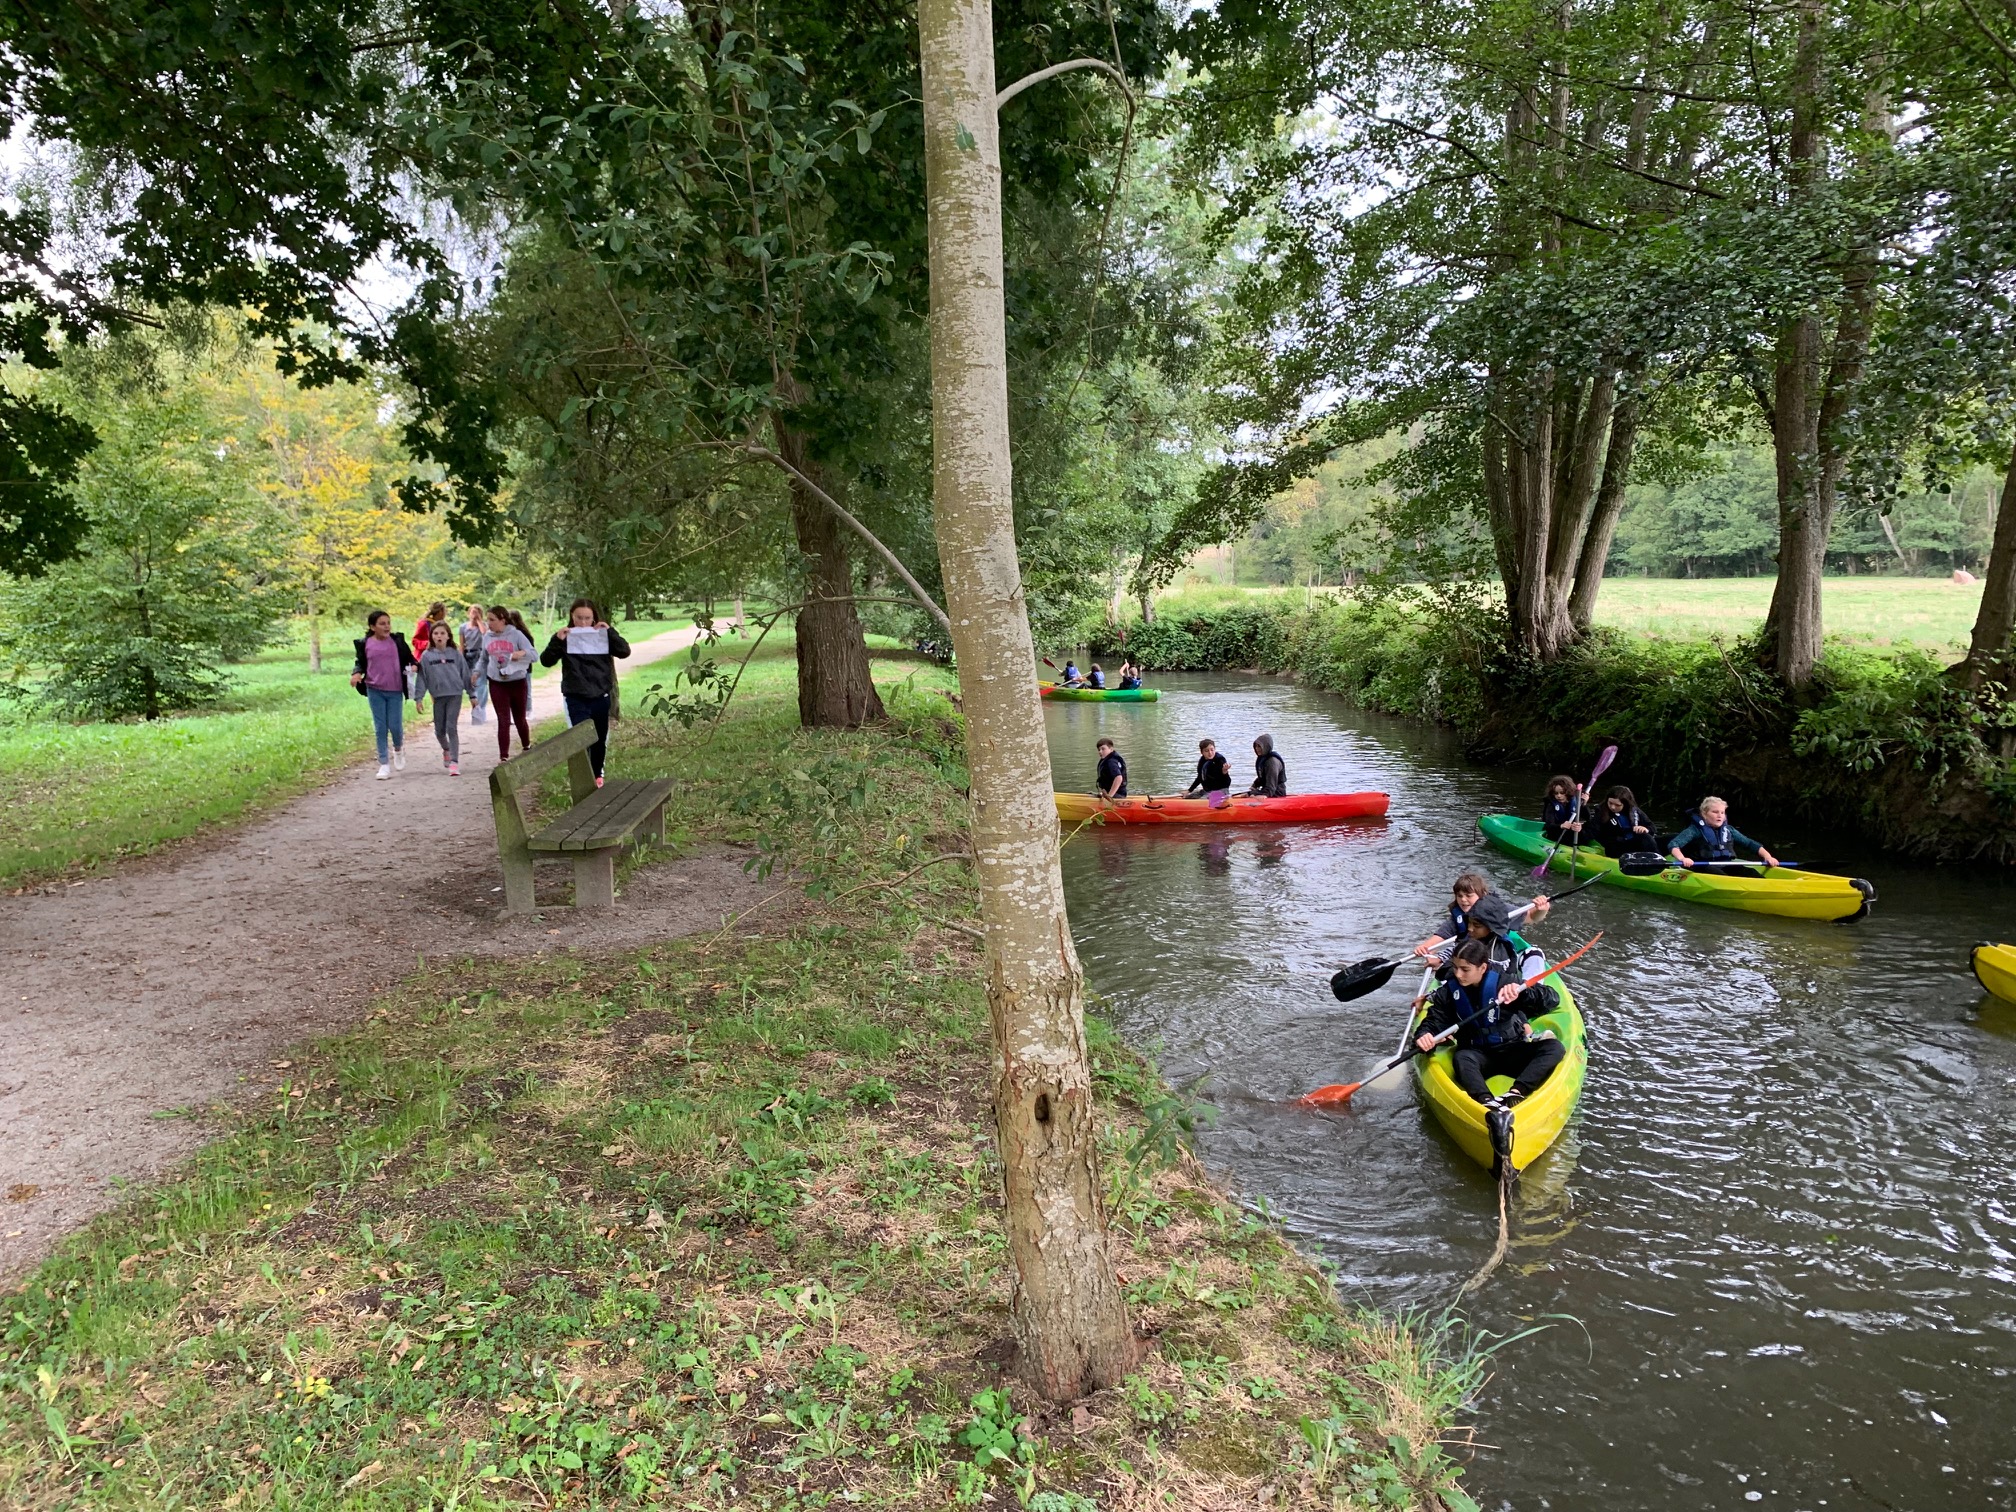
x,y
388,717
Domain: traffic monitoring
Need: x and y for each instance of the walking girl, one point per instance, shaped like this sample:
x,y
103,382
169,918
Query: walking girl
x,y
586,648
383,660
473,632
445,674
507,663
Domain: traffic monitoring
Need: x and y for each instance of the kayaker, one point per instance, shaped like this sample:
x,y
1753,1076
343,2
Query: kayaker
x,y
1499,1040
1214,772
1711,837
1559,816
1072,677
1270,772
1490,924
1130,675
1465,892
1112,771
1096,678
1619,826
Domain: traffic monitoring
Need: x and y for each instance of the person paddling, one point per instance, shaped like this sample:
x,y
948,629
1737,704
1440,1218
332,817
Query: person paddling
x,y
1072,677
1487,919
1711,837
1619,826
1455,926
1560,817
1096,678
1214,773
1130,675
1499,1039
1270,772
1112,777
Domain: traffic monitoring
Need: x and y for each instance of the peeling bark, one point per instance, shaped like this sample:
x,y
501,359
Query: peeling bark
x,y
1070,1317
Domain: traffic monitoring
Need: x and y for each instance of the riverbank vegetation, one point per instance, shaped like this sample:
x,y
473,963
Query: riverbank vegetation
x,y
713,1224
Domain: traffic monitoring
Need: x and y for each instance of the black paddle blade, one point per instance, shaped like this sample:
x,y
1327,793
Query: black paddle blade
x,y
1644,863
1361,977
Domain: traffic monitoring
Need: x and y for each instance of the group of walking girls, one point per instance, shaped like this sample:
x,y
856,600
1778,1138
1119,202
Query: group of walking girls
x,y
488,661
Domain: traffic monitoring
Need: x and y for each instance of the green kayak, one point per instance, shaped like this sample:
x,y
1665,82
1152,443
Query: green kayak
x,y
1104,695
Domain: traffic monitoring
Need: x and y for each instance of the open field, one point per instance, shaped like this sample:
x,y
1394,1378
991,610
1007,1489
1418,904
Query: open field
x,y
74,796
1934,613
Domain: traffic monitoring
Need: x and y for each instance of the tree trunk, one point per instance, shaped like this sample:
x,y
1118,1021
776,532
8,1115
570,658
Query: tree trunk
x,y
1602,528
835,688
1070,1317
1996,620
314,634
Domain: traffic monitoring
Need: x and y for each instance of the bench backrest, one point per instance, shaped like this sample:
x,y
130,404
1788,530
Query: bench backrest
x,y
508,778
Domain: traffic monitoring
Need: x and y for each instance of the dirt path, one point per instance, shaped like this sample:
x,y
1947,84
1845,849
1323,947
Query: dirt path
x,y
170,983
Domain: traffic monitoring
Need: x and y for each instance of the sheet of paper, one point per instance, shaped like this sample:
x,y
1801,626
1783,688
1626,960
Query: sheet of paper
x,y
587,642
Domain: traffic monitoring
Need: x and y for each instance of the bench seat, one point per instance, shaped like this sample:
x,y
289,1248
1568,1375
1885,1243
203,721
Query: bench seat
x,y
600,822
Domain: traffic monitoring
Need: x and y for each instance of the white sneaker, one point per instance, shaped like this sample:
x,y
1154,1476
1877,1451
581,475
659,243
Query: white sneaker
x,y
383,771
454,769
399,761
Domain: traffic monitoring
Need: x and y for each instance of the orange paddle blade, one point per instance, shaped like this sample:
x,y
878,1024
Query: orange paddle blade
x,y
1334,1096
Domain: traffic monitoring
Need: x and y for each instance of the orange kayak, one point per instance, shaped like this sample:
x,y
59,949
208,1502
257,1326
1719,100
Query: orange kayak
x,y
1075,808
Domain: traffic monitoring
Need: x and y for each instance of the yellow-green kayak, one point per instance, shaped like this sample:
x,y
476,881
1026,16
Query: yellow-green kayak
x,y
1537,1121
1995,969
1785,891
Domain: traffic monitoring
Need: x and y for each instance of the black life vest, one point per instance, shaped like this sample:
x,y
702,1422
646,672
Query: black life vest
x,y
1715,843
1497,1024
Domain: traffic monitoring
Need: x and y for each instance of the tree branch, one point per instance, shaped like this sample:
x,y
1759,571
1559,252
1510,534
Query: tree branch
x,y
1030,81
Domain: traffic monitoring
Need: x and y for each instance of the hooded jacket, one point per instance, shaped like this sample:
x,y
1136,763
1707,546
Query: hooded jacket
x,y
1496,1023
1509,952
1270,772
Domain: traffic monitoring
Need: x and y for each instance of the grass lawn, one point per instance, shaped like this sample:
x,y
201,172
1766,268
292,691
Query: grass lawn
x,y
74,796
715,1224
1934,613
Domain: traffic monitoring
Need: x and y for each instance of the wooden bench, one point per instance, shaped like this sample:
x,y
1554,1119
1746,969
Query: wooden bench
x,y
601,822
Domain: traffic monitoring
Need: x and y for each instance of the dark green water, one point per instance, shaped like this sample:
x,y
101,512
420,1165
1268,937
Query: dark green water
x,y
1784,1221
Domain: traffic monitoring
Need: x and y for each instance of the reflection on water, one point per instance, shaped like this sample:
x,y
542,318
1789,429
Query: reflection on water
x,y
1784,1223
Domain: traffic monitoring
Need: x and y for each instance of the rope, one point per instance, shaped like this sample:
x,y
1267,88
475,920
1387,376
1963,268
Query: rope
x,y
1506,1176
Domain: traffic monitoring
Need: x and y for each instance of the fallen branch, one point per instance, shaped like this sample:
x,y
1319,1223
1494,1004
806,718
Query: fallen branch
x,y
899,881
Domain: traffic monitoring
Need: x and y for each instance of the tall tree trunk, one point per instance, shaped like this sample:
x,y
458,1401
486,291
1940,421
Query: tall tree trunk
x,y
314,633
835,688
1602,527
1996,620
1070,1316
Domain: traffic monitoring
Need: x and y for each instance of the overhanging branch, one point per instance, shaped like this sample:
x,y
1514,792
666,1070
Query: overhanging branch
x,y
1030,81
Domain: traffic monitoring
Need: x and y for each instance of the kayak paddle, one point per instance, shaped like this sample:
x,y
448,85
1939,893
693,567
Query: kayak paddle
x,y
1363,977
1602,765
1337,1095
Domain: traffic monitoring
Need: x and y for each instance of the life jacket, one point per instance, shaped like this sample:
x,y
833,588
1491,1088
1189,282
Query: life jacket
x,y
1458,924
1715,843
1499,1023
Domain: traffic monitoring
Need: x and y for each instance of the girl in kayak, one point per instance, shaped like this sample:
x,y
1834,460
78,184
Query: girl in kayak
x,y
1619,826
1559,817
1711,837
1270,772
1096,678
1214,773
1112,771
1130,675
1498,1040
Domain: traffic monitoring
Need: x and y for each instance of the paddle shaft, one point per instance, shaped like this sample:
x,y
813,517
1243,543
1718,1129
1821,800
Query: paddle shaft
x,y
1609,754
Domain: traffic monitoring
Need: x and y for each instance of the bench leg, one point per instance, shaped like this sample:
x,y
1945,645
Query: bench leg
x,y
652,830
595,879
518,885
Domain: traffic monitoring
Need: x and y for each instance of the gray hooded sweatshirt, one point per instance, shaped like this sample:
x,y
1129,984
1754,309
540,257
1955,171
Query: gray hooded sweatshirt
x,y
444,673
1270,778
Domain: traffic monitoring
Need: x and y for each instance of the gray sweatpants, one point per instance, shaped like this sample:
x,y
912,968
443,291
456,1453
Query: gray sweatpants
x,y
448,724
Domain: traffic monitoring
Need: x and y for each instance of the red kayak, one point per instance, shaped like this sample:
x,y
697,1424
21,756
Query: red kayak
x,y
1075,808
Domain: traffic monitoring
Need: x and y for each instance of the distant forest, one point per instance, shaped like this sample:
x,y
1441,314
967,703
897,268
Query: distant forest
x,y
1721,520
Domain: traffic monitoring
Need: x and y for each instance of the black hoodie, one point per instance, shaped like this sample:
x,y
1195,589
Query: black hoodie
x,y
1270,772
590,676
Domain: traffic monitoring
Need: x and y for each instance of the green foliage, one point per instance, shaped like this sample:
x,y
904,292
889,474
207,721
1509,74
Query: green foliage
x,y
172,583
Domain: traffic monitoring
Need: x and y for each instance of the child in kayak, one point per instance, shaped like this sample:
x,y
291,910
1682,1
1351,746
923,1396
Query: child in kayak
x,y
1096,678
1455,926
1072,679
1560,817
1130,675
1498,1040
1214,773
1270,772
1112,771
1619,826
1480,915
1711,837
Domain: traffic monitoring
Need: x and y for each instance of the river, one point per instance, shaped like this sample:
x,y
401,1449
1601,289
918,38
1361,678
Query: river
x,y
1777,1247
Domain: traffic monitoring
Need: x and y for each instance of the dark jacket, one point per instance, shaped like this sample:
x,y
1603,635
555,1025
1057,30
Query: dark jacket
x,y
590,676
1510,953
363,668
1617,833
1270,772
1112,765
1497,1024
1214,775
1555,812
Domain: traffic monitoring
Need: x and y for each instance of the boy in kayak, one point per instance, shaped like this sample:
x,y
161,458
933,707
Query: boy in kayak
x,y
1270,772
1214,773
1130,675
1498,1040
1711,837
1487,921
1465,892
1619,826
1112,771
1560,810
1072,677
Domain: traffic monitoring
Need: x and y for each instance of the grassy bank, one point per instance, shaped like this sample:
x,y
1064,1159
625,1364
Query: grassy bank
x,y
1885,743
75,796
714,1224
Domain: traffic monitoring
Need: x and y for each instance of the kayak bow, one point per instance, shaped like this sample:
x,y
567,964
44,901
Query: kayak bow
x,y
1995,969
1778,890
1076,808
1103,695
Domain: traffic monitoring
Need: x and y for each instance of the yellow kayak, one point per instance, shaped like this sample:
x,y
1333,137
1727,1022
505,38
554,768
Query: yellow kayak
x,y
1995,969
1536,1122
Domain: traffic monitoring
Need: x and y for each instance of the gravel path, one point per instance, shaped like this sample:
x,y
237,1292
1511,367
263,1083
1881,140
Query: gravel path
x,y
170,983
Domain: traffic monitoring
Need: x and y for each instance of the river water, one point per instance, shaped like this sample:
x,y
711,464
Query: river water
x,y
1778,1244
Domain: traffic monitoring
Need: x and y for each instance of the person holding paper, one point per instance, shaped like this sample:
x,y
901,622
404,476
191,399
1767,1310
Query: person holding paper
x,y
585,649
